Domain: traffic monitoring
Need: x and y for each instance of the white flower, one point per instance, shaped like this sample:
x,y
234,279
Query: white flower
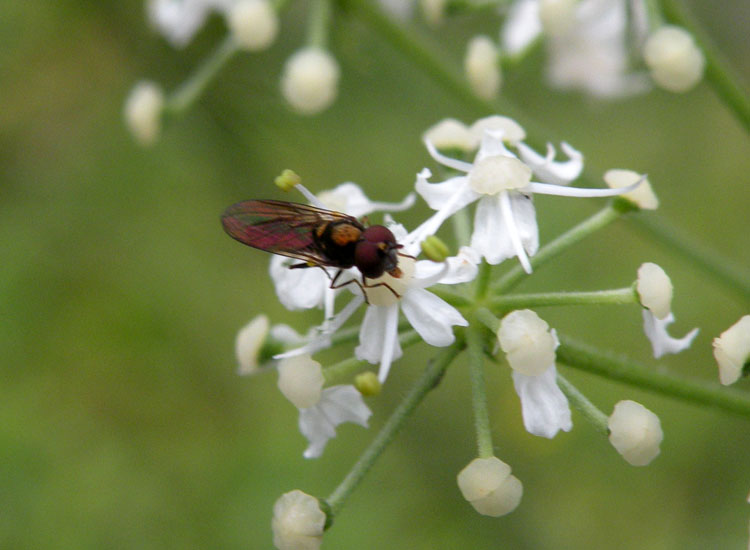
x,y
482,67
253,23
298,522
675,61
654,289
586,43
249,341
530,345
337,404
732,351
490,487
505,219
310,80
301,380
308,288
655,293
143,109
643,197
179,20
635,432
430,316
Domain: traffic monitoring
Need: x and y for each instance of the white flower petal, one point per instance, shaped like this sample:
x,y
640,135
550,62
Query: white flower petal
x,y
450,133
492,144
372,335
249,342
732,351
512,228
521,27
462,268
544,406
431,317
512,132
297,288
338,404
549,171
298,522
349,198
563,191
661,342
438,195
459,165
491,237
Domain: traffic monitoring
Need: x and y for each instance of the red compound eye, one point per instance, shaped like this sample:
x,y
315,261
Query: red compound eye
x,y
378,234
368,257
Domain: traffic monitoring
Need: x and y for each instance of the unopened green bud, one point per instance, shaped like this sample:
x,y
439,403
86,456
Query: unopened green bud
x,y
367,383
288,180
435,249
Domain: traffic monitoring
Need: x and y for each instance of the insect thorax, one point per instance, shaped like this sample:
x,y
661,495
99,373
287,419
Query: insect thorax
x,y
337,241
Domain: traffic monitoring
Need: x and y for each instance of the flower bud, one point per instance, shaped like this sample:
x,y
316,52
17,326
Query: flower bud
x,y
298,522
450,133
143,110
643,196
301,380
732,351
248,344
635,432
287,180
367,383
435,249
253,23
512,131
527,341
310,80
489,486
654,289
482,67
675,61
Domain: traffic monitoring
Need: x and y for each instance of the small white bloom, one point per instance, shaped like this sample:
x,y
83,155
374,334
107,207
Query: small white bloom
x,y
253,23
661,342
675,60
505,219
482,67
143,109
521,28
654,289
450,133
310,80
732,351
337,404
298,522
544,406
557,16
512,132
487,483
527,341
643,196
301,380
635,432
179,20
249,341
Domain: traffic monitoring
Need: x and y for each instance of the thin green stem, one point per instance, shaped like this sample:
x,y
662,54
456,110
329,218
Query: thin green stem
x,y
482,281
599,220
189,91
725,83
318,23
479,392
701,256
617,367
345,368
590,412
429,379
487,318
619,296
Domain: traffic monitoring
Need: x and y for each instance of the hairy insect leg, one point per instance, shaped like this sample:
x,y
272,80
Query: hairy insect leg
x,y
342,285
386,285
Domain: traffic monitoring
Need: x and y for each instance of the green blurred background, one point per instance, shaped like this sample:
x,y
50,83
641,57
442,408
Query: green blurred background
x,y
122,421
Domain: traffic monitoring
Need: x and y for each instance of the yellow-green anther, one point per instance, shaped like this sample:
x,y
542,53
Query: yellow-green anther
x,y
367,383
287,180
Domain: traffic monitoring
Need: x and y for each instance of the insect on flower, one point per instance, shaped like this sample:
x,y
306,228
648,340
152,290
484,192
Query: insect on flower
x,y
318,237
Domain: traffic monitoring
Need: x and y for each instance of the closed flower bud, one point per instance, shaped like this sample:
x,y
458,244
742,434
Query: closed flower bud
x,y
301,380
635,432
675,61
654,290
435,249
482,67
450,133
367,383
143,110
489,486
732,351
643,196
298,522
249,342
527,341
253,23
310,80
